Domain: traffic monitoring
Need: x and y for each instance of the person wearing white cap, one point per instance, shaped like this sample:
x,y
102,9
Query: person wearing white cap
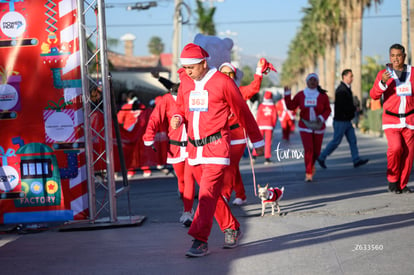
x,y
232,176
315,109
205,100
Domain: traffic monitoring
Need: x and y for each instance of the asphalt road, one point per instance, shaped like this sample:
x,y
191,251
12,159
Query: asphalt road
x,y
344,222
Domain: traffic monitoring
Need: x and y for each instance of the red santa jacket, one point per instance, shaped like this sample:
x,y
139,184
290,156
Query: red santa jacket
x,y
206,106
266,115
237,133
283,113
128,117
312,105
398,110
162,113
253,88
274,194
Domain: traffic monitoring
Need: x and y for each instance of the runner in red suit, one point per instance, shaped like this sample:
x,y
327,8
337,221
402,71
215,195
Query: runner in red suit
x,y
315,109
396,85
266,119
232,176
176,155
286,118
206,98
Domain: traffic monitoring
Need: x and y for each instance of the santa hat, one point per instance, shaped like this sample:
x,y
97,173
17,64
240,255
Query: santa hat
x,y
192,54
227,64
268,95
314,75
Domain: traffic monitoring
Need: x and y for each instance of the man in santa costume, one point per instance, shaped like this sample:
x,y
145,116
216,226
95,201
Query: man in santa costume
x,y
395,84
206,98
176,155
315,109
286,118
266,119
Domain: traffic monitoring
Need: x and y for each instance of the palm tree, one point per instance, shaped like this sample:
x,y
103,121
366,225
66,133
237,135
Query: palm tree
x,y
155,45
335,22
205,19
326,17
357,8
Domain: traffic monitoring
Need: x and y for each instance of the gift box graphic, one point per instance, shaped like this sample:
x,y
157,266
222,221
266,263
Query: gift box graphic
x,y
59,123
9,176
10,90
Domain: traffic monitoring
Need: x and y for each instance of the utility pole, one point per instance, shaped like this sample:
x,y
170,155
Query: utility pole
x,y
176,47
405,26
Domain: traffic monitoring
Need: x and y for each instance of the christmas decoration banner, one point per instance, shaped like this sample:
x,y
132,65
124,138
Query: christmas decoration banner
x,y
42,159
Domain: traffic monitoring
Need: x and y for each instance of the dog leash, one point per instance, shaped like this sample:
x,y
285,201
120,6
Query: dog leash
x,y
251,162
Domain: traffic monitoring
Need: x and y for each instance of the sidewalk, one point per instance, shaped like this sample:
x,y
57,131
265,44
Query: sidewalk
x,y
345,222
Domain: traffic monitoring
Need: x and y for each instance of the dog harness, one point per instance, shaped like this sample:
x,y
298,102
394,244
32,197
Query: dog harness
x,y
275,193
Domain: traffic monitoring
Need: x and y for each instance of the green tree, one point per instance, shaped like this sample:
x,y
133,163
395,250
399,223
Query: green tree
x,y
205,21
267,82
369,72
155,45
248,76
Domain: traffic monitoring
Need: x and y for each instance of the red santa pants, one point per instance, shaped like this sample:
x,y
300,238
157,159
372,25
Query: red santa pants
x,y
232,177
400,155
210,202
288,126
268,136
312,144
186,184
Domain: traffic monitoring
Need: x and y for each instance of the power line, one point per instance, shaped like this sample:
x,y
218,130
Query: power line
x,y
271,21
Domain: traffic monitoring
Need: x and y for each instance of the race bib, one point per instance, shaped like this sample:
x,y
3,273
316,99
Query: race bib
x,y
310,102
198,101
404,89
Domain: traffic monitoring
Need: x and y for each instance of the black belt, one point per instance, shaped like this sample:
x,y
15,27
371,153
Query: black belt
x,y
178,143
234,126
399,115
206,140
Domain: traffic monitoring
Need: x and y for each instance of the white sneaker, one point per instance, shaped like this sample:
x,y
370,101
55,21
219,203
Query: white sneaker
x,y
187,218
239,201
147,174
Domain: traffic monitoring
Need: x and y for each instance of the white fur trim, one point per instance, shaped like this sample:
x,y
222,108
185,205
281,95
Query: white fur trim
x,y
237,141
148,143
259,144
321,118
204,160
175,160
382,86
265,127
190,61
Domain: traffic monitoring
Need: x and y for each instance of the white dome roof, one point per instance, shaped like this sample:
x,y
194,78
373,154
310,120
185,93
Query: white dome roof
x,y
128,36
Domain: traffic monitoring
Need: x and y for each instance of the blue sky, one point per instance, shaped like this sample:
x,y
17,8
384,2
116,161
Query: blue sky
x,y
260,27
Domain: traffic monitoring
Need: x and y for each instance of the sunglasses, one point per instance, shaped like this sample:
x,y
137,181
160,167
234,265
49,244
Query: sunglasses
x,y
230,74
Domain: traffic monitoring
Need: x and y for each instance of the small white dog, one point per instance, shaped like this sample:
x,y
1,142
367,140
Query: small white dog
x,y
270,196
